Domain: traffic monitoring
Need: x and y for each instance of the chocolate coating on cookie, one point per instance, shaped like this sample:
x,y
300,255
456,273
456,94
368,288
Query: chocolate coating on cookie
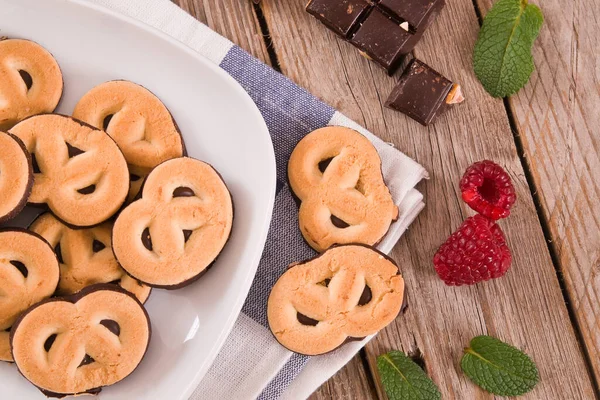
x,y
85,257
16,176
151,237
29,273
81,190
315,306
30,81
335,172
138,121
84,354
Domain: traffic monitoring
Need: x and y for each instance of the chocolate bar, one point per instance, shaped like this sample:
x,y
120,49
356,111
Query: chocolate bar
x,y
423,93
382,40
339,16
383,30
418,13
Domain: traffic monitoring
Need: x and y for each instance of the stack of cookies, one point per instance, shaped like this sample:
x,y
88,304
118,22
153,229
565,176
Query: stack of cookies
x,y
126,211
350,290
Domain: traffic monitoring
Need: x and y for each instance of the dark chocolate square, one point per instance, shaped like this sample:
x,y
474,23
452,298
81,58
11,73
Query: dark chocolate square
x,y
338,15
418,13
421,93
383,40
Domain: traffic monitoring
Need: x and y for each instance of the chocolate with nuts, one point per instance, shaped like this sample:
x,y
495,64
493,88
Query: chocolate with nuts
x,y
423,93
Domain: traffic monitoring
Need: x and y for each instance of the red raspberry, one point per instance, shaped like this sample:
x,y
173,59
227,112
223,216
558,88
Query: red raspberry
x,y
487,189
476,252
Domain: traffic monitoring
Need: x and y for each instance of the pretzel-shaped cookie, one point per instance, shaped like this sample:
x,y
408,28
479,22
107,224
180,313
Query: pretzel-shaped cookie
x,y
175,231
79,171
28,274
79,344
349,291
85,257
336,174
138,121
30,81
16,176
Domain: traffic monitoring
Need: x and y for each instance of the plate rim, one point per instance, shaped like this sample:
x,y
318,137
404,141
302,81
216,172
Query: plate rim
x,y
272,178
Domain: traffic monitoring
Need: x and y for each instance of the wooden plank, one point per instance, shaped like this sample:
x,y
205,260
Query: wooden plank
x,y
525,308
557,118
234,19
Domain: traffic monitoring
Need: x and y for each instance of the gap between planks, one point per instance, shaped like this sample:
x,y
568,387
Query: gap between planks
x,y
264,28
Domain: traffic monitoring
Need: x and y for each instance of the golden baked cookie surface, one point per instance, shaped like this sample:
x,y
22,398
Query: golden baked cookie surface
x,y
336,174
138,121
30,81
178,227
349,291
16,176
85,257
72,345
29,273
82,175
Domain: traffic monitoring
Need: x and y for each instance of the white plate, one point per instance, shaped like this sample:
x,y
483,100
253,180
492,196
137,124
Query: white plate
x,y
220,124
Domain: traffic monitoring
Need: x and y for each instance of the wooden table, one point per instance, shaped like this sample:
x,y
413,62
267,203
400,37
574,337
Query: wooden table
x,y
547,137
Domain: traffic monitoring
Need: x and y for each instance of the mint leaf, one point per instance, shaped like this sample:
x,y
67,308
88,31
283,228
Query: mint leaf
x,y
502,56
405,380
498,367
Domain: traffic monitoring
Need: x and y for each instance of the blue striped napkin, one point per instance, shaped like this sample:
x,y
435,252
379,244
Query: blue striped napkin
x,y
251,363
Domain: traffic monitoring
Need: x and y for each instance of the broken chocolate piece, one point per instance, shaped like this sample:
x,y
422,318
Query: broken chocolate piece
x,y
418,13
383,40
383,30
423,93
339,16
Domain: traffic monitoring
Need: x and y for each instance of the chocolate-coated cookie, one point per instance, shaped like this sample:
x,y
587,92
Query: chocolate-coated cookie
x,y
178,227
85,257
16,176
138,121
29,273
78,344
349,291
30,81
336,174
79,171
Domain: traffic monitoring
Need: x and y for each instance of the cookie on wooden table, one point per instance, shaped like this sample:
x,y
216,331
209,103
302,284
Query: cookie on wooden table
x,y
336,174
29,273
171,235
138,121
30,81
16,176
79,344
79,171
350,291
85,257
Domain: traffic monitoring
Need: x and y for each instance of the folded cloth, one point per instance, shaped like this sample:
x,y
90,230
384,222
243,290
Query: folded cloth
x,y
251,363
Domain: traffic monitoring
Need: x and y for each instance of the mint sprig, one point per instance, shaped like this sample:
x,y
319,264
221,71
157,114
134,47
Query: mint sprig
x,y
502,57
498,367
403,379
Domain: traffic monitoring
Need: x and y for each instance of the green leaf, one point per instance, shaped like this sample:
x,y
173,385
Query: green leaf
x,y
405,380
498,367
502,56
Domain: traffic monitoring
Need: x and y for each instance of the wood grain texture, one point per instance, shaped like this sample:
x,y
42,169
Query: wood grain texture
x,y
525,308
350,383
234,19
557,115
